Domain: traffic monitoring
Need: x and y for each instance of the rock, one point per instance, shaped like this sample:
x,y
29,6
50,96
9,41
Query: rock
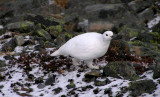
x,y
139,5
136,88
57,90
1,29
2,64
9,46
1,86
83,26
41,86
50,80
63,96
38,80
38,19
39,48
91,76
96,91
155,28
108,91
129,33
55,30
93,73
126,1
62,38
99,25
147,14
23,94
43,33
9,57
28,42
105,11
19,40
125,69
71,85
24,26
101,83
87,87
156,71
2,77
41,94
156,74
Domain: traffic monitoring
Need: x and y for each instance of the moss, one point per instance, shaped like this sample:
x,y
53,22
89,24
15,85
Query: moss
x,y
26,24
40,33
136,43
142,86
31,32
46,42
114,67
56,29
156,39
68,35
135,78
50,18
44,34
156,36
62,21
38,26
133,33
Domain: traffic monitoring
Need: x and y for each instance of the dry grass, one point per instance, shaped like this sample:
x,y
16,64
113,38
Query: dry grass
x,y
61,3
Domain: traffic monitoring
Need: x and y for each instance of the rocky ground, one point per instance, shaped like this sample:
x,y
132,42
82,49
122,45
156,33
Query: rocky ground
x,y
31,30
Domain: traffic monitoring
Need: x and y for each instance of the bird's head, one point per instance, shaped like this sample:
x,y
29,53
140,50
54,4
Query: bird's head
x,y
108,35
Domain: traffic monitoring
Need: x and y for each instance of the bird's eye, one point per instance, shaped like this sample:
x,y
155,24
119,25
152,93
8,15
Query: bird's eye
x,y
106,34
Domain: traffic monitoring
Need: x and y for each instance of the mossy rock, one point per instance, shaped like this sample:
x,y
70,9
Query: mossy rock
x,y
124,69
64,37
23,26
137,88
26,25
129,33
156,37
135,43
43,33
55,30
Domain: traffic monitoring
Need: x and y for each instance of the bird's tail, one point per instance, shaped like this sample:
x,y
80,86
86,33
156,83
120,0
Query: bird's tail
x,y
56,53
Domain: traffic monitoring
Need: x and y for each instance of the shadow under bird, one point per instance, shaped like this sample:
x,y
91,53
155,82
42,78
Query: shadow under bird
x,y
86,47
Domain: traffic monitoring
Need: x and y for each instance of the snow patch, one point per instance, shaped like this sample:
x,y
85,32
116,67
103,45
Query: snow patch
x,y
1,27
154,22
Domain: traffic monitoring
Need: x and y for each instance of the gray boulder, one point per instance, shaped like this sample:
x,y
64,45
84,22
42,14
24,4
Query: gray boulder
x,y
105,11
21,26
139,5
9,46
147,14
19,40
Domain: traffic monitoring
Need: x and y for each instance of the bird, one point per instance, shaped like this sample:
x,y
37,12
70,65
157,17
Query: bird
x,y
86,47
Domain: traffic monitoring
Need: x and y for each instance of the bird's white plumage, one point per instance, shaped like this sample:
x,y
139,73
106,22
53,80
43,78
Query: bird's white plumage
x,y
87,46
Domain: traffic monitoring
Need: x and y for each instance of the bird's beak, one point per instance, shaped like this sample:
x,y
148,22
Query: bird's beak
x,y
114,36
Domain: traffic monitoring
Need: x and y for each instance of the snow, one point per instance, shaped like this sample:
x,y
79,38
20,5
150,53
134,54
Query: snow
x,y
62,81
154,21
1,27
19,49
18,74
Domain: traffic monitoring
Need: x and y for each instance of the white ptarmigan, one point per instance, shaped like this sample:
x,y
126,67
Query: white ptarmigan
x,y
86,47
